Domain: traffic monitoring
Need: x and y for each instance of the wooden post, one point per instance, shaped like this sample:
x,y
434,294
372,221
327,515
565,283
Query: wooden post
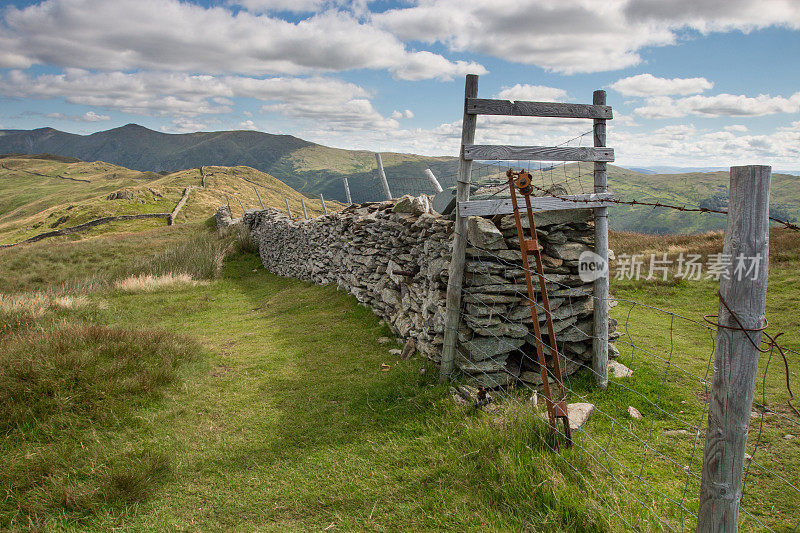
x,y
382,175
322,201
202,176
347,191
736,356
600,342
432,178
259,197
288,211
228,201
456,271
305,213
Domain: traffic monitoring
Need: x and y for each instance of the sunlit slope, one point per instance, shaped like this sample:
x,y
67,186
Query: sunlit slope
x,y
41,195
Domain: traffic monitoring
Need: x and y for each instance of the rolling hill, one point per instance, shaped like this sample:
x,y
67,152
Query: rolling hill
x,y
38,195
305,166
314,169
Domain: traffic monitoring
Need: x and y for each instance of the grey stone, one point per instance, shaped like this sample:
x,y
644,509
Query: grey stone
x,y
618,370
579,414
634,413
480,348
481,233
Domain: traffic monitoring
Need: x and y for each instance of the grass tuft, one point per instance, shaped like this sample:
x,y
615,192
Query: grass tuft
x,y
148,282
65,392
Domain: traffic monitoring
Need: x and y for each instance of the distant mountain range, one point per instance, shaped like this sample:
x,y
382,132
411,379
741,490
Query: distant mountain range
x,y
305,166
314,169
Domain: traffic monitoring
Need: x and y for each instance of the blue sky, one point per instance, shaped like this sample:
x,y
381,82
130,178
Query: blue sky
x,y
692,82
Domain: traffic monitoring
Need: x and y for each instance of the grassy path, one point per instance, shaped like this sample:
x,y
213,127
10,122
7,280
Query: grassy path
x,y
288,422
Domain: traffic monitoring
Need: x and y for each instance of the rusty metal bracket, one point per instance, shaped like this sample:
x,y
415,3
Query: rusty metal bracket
x,y
521,181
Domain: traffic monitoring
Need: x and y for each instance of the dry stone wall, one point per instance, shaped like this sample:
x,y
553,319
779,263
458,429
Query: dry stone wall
x,y
394,256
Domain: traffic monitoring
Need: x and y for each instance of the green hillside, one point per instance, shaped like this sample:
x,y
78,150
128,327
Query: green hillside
x,y
696,189
307,167
313,169
42,195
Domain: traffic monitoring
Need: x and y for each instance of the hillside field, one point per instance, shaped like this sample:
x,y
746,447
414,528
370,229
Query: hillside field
x,y
162,379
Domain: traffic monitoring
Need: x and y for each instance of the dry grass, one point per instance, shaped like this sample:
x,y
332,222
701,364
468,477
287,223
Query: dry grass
x,y
149,282
38,303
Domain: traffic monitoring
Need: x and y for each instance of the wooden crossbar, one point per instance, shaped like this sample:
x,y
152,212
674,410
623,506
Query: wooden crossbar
x,y
503,206
487,152
483,106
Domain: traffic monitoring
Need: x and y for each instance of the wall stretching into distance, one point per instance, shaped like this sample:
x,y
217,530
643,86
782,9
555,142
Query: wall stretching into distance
x,y
393,257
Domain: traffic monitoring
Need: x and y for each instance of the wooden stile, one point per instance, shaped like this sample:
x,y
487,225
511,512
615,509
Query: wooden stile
x,y
600,314
482,106
504,206
486,152
456,271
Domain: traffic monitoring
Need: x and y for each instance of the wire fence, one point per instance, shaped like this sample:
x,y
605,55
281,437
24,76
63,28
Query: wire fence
x,y
641,451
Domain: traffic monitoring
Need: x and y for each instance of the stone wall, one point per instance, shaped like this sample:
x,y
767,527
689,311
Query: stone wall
x,y
394,257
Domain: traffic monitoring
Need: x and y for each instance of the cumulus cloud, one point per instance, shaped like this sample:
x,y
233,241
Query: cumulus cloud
x,y
402,114
537,93
649,85
572,36
247,125
89,116
161,93
736,127
179,36
184,126
730,105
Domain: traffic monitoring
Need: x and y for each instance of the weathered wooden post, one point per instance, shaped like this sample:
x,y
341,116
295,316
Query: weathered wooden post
x,y
259,197
347,191
322,201
305,213
288,211
382,175
456,270
736,352
432,178
600,342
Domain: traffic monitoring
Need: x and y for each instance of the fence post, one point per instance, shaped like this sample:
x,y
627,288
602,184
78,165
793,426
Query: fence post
x,y
347,191
322,200
259,197
600,341
432,178
382,175
288,211
736,353
456,271
305,213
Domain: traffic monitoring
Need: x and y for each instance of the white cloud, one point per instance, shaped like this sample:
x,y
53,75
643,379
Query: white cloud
x,y
179,36
649,85
402,114
295,6
355,114
161,93
730,105
184,126
572,36
248,125
736,127
537,93
89,116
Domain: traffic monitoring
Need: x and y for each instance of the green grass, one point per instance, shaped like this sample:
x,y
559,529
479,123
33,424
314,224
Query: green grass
x,y
281,418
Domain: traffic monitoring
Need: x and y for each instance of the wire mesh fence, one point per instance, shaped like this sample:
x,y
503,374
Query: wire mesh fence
x,y
640,453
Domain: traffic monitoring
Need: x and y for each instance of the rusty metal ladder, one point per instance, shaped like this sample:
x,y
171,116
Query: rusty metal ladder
x,y
556,410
